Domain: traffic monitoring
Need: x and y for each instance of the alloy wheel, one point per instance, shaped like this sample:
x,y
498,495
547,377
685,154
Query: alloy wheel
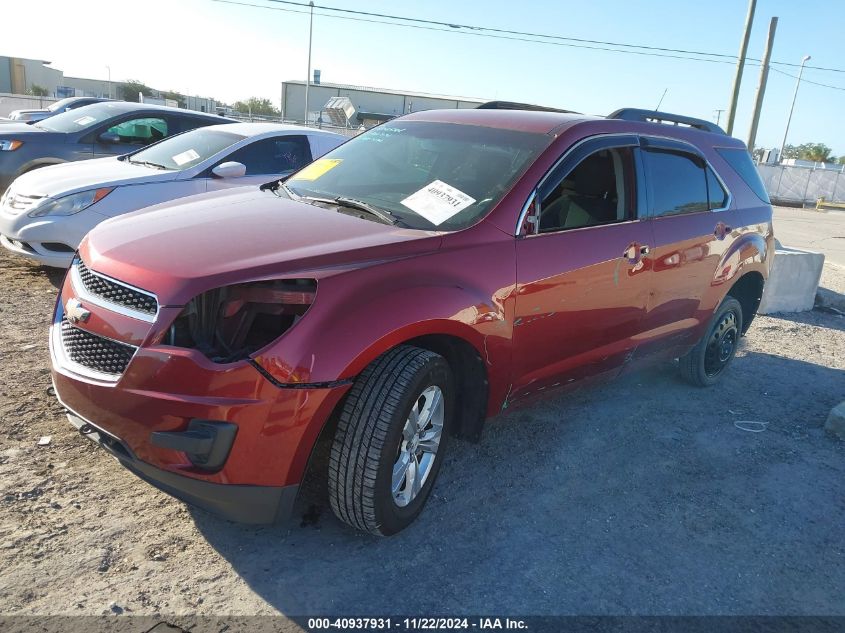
x,y
418,446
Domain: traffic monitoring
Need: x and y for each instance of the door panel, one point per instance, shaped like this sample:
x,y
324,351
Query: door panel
x,y
689,242
580,303
583,277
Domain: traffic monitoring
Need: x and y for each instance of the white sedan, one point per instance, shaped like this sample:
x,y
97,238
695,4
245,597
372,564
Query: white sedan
x,y
45,213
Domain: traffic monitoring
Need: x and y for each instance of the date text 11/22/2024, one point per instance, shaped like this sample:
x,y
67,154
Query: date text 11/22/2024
x,y
416,623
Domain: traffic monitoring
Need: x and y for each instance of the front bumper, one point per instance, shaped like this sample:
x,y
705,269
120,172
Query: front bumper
x,y
51,241
240,503
166,390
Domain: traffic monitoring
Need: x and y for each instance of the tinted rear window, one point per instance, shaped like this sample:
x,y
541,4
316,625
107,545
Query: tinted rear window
x,y
677,181
742,164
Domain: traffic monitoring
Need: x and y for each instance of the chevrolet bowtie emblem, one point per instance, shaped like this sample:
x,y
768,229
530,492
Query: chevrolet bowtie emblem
x,y
74,311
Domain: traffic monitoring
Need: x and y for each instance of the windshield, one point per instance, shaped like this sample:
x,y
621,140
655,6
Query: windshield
x,y
440,176
186,150
61,103
79,119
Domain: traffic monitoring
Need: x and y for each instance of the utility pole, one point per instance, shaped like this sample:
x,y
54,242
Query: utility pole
x,y
308,76
761,86
108,68
740,66
718,115
792,107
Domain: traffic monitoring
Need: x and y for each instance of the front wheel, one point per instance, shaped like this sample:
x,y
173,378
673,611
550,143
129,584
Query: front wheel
x,y
389,442
705,363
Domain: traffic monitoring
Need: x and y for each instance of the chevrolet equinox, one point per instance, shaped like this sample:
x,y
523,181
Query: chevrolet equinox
x,y
413,282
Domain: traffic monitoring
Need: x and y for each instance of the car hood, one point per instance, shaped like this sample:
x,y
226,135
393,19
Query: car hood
x,y
26,132
83,175
27,111
180,249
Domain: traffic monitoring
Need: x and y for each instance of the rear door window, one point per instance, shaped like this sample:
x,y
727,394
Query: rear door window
x,y
677,182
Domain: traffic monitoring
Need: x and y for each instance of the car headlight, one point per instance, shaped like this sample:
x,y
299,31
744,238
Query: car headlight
x,y
68,205
10,146
231,323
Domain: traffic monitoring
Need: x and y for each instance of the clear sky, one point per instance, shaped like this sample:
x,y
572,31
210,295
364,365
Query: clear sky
x,y
233,52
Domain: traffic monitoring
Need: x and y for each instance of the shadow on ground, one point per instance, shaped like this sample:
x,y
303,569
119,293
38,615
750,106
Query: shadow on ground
x,y
642,496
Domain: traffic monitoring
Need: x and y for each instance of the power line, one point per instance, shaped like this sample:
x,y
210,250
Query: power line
x,y
807,81
486,31
481,34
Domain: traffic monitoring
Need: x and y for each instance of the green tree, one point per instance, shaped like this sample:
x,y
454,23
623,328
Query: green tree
x,y
841,160
174,96
129,89
816,152
256,106
37,91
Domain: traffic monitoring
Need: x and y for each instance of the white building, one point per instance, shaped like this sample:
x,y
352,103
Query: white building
x,y
372,105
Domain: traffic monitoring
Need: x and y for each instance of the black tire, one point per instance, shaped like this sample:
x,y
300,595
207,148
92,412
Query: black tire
x,y
370,434
704,365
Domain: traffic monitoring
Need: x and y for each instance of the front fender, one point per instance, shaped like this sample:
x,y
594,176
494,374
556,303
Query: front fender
x,y
38,162
338,341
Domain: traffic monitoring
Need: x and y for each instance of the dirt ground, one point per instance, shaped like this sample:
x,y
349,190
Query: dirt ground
x,y
645,496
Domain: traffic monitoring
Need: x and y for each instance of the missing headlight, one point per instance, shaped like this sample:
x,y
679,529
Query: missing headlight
x,y
230,323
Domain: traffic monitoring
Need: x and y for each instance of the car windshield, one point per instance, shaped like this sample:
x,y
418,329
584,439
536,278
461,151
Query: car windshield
x,y
61,103
186,150
79,119
425,175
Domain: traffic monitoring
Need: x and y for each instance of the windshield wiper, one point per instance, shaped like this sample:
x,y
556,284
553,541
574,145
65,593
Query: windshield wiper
x,y
147,163
382,214
350,203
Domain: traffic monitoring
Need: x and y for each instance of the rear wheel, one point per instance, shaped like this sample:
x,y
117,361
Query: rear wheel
x,y
705,363
390,438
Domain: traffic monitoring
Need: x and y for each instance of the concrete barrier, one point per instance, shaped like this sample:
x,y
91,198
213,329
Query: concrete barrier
x,y
793,281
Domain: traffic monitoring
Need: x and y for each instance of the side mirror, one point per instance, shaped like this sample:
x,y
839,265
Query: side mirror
x,y
229,169
109,137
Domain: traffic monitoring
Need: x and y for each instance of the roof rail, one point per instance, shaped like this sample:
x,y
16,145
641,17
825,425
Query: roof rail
x,y
653,116
512,105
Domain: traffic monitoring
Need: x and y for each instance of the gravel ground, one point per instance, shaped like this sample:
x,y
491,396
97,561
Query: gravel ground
x,y
644,496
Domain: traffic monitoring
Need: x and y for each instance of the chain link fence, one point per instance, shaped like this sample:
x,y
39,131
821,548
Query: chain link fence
x,y
803,185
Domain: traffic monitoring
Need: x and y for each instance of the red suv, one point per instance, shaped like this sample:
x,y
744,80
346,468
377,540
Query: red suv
x,y
413,282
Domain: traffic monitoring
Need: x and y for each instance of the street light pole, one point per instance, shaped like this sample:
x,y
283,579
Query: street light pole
x,y
792,107
308,76
108,68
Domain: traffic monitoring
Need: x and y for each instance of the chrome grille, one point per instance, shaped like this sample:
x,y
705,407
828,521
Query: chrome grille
x,y
116,292
94,352
17,203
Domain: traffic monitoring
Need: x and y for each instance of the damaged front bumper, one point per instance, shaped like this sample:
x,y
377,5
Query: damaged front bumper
x,y
240,503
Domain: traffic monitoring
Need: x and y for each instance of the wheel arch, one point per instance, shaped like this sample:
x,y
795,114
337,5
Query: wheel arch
x,y
39,162
748,290
471,384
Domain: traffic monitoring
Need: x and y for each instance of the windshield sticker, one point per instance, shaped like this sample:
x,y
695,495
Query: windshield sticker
x,y
85,120
437,202
317,169
185,157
